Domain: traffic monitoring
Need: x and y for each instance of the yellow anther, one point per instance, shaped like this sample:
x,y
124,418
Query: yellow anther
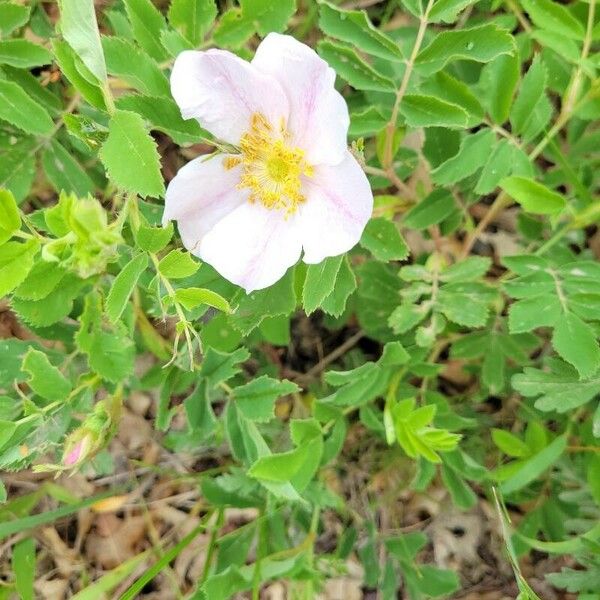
x,y
271,169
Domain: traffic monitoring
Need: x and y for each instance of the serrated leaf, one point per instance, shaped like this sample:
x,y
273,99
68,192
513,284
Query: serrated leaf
x,y
233,30
480,44
128,62
64,172
44,378
10,219
79,27
472,154
20,110
561,392
530,313
447,10
533,196
193,297
72,68
382,238
345,284
178,264
23,54
279,299
256,399
164,115
428,111
349,66
554,17
123,285
16,260
530,91
498,165
267,15
192,18
220,366
576,342
320,282
433,209
130,156
43,278
498,82
354,27
153,239
147,24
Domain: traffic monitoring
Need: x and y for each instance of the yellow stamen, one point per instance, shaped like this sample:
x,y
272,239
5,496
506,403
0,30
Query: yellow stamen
x,y
271,169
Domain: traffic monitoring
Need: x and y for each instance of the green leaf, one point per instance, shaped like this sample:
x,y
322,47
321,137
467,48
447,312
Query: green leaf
x,y
498,82
345,284
560,391
23,564
469,269
462,495
267,15
433,209
533,196
279,299
43,278
130,156
473,152
18,166
12,16
192,18
480,44
134,66
10,219
178,264
576,342
164,115
78,74
354,27
466,303
256,399
194,296
23,54
428,111
320,282
64,172
349,66
498,165
16,260
530,313
79,28
44,378
510,444
220,366
147,23
20,110
535,466
531,90
447,10
554,17
110,354
123,285
233,30
153,239
382,238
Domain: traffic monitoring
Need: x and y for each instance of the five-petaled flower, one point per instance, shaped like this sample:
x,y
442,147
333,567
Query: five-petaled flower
x,y
289,184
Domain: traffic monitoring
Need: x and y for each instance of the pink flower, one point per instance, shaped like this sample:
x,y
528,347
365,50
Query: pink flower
x,y
292,184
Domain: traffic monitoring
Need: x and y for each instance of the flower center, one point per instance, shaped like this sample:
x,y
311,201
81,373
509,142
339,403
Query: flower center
x,y
271,168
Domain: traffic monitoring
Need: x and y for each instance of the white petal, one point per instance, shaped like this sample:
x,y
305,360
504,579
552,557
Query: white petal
x,y
222,91
200,195
339,202
252,247
318,113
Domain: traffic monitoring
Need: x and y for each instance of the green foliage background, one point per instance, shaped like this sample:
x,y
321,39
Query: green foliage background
x,y
463,112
